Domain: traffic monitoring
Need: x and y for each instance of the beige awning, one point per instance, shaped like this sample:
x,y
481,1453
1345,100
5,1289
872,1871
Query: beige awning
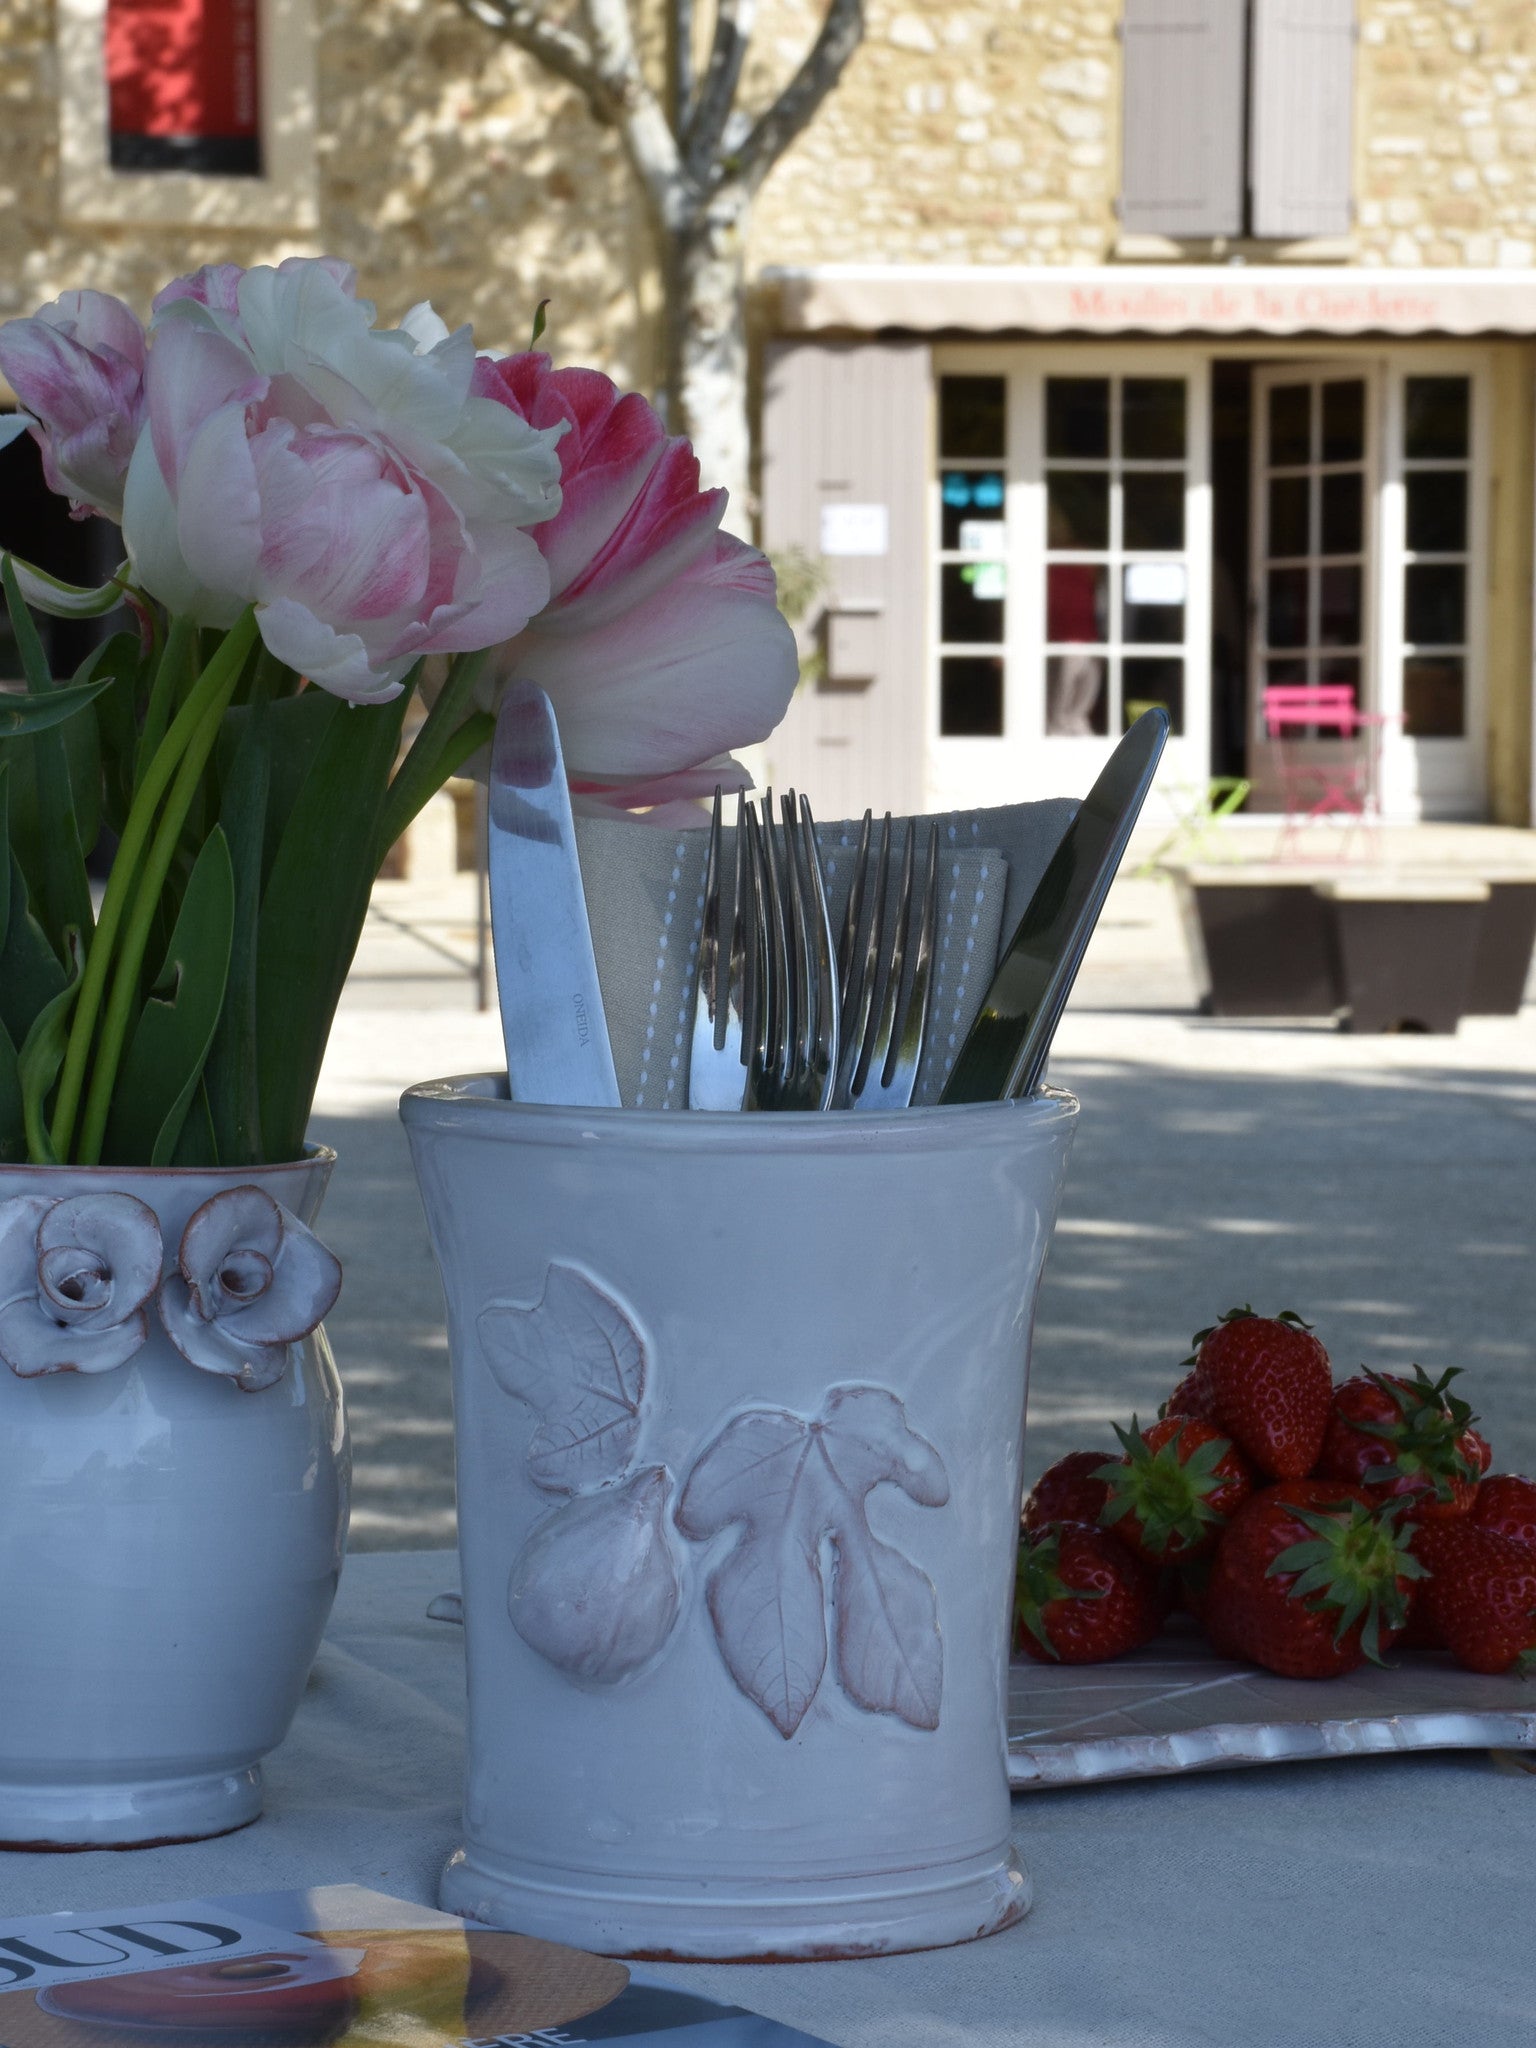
x,y
864,298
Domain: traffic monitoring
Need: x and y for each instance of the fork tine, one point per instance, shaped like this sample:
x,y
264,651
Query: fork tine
x,y
716,1079
848,937
886,1071
862,986
762,1082
801,963
822,1037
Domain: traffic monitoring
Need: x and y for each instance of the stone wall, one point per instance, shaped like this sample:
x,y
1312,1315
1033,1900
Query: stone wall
x,y
1446,153
981,131
449,167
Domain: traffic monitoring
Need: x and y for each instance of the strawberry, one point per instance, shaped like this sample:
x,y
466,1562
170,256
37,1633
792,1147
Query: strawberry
x,y
1081,1596
1506,1504
1408,1439
1175,1489
1271,1386
1481,1595
1068,1491
1192,1396
1310,1579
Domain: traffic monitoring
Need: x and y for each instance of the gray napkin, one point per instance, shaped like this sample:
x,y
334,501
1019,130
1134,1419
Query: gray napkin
x,y
645,899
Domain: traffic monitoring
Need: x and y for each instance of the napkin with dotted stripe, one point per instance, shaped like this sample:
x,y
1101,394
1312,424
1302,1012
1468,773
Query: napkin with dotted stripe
x,y
645,899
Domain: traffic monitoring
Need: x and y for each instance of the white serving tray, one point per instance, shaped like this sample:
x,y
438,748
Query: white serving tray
x,y
1177,1706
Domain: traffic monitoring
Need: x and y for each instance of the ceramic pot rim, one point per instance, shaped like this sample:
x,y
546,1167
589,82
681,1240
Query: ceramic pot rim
x,y
477,1105
314,1155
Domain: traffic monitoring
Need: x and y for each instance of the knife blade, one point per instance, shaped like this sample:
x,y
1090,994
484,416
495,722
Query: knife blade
x,y
1005,1050
552,1017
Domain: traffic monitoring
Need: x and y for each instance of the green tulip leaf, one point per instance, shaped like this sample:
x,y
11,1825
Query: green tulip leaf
x,y
42,1054
21,711
13,1126
30,972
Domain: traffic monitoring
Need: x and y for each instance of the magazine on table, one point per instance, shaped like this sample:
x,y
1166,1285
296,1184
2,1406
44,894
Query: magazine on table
x,y
339,1965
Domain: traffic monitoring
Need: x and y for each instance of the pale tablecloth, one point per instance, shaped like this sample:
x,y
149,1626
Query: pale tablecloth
x,y
1380,1903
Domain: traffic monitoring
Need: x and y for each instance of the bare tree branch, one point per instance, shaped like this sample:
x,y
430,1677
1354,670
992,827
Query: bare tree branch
x,y
679,63
648,138
557,48
733,31
841,34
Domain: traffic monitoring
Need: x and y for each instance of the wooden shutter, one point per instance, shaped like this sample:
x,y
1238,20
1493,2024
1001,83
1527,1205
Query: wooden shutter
x,y
1182,143
846,424
1303,100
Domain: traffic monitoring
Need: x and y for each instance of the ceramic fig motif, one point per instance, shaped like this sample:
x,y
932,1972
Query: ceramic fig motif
x,y
75,1275
578,1361
595,1590
250,1280
791,1486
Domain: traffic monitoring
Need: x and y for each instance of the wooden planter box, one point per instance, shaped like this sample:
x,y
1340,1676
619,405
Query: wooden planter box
x,y
1404,948
1379,951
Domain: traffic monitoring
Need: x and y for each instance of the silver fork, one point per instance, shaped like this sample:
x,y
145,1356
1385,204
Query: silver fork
x,y
726,976
887,996
793,1045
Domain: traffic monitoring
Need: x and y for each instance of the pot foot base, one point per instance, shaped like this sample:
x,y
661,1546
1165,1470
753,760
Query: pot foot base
x,y
128,1814
742,1923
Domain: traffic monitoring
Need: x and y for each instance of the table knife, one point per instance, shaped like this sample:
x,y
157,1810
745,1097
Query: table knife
x,y
546,974
1005,1050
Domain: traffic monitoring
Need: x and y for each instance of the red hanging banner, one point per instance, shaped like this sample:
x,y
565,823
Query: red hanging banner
x,y
183,85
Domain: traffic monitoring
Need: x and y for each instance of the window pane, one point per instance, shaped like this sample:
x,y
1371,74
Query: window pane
x,y
1437,511
1153,601
1341,668
1344,422
971,696
1437,416
1076,699
1435,604
1289,670
1290,423
1077,602
1290,515
1152,419
1435,697
1154,510
1144,683
968,497
973,416
1286,620
1339,602
1077,508
1343,513
1077,416
971,601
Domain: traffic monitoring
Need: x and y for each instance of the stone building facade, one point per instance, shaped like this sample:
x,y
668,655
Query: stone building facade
x,y
903,253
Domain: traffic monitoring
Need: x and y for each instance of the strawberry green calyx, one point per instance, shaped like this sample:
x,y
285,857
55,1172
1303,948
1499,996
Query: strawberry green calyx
x,y
1426,1434
1167,1493
1353,1563
1039,1582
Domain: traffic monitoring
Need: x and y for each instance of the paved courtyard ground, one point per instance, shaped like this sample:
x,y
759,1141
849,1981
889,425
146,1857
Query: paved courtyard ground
x,y
1383,1187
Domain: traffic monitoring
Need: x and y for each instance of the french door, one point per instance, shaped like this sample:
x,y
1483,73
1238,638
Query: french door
x,y
1314,496
1070,572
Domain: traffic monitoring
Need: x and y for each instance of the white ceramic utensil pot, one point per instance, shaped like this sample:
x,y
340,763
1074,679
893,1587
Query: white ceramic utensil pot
x,y
739,1402
170,1540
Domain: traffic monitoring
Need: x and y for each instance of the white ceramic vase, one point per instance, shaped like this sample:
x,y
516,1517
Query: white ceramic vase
x,y
170,1540
739,1405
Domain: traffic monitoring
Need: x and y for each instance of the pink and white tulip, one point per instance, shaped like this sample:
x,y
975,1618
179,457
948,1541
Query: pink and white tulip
x,y
661,645
348,481
77,366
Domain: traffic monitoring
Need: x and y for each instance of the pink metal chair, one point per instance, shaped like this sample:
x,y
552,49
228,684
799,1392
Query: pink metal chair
x,y
1345,780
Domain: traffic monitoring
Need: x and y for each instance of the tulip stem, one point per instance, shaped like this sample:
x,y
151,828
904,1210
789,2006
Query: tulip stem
x,y
197,721
176,665
432,757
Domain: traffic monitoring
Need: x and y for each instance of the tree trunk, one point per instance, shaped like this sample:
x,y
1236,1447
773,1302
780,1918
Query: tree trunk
x,y
706,346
